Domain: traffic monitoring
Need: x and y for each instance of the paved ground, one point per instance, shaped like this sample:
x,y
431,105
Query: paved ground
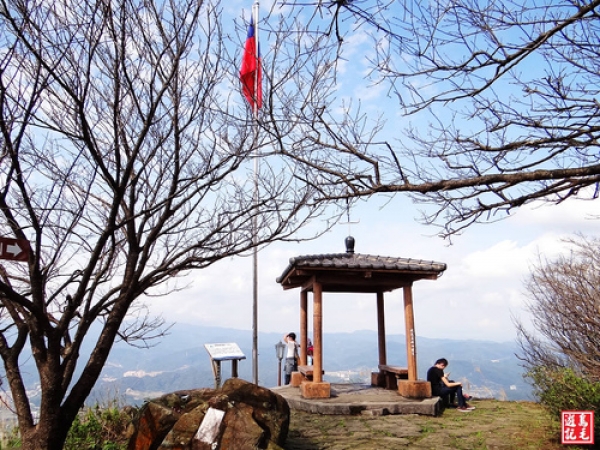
x,y
364,417
352,399
493,425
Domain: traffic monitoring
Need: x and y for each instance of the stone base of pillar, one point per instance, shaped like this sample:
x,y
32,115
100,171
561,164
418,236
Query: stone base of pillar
x,y
297,379
311,389
414,389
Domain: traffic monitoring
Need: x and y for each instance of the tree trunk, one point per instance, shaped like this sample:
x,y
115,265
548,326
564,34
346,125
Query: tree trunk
x,y
49,433
55,418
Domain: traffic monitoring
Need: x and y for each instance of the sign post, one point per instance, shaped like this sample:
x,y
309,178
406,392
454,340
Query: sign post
x,y
224,352
14,249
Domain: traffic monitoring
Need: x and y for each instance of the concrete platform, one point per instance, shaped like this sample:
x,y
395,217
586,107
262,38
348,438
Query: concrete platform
x,y
353,399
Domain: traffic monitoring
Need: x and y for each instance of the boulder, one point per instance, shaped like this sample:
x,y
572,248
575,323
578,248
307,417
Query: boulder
x,y
239,416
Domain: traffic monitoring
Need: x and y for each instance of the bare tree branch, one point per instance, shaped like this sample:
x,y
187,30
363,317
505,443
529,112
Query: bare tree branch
x,y
126,158
564,301
504,95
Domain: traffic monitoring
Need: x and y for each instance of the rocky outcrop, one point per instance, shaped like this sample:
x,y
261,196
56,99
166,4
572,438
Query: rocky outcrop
x,y
239,416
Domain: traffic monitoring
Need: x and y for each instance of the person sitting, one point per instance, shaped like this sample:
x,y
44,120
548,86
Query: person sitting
x,y
441,386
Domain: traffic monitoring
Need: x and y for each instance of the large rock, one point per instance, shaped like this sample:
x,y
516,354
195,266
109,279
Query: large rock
x,y
238,416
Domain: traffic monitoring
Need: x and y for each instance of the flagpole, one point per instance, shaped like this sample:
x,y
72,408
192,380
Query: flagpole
x,y
254,217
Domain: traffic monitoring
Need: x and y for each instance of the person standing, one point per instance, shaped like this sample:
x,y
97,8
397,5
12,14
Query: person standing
x,y
440,385
291,356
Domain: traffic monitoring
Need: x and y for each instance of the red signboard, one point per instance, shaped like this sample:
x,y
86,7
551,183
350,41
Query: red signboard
x,y
577,427
14,249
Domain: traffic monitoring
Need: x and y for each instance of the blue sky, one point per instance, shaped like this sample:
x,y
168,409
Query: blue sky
x,y
477,297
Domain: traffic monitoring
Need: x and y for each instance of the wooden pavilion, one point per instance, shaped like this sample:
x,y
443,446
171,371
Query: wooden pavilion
x,y
352,272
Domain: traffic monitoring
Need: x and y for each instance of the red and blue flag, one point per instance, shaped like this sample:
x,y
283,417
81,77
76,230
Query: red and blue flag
x,y
251,71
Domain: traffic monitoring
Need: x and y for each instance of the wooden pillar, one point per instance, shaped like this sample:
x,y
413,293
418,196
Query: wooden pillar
x,y
381,329
318,332
216,366
303,326
411,343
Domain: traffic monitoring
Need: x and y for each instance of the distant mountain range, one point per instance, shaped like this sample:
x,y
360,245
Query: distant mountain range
x,y
180,361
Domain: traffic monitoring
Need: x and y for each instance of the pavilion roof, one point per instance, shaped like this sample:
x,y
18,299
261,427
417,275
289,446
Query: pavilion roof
x,y
355,272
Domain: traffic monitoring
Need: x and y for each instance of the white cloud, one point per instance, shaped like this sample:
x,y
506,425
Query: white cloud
x,y
476,298
500,260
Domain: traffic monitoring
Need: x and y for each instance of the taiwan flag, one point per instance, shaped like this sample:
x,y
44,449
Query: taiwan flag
x,y
251,71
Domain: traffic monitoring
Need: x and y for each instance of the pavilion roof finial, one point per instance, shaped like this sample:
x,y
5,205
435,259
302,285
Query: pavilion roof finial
x,y
349,244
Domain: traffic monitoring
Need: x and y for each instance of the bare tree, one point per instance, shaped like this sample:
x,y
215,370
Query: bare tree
x,y
126,162
502,97
564,301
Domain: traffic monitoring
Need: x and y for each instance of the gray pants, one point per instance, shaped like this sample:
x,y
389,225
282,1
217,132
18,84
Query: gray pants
x,y
291,365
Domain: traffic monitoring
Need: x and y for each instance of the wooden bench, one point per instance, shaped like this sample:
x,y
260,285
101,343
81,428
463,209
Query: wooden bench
x,y
304,373
307,371
389,375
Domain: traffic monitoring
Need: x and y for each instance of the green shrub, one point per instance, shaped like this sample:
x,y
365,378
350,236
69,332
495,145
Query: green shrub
x,y
98,429
11,439
564,390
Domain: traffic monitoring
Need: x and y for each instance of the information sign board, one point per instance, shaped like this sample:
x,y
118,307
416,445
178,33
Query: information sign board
x,y
224,352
